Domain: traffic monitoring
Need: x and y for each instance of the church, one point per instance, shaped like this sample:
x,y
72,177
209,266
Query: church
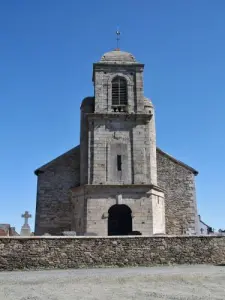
x,y
116,181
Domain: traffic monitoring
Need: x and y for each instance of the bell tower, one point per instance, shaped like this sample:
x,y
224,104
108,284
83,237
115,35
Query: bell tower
x,y
118,141
118,83
122,146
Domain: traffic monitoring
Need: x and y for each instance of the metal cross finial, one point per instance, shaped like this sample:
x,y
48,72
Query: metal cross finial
x,y
118,38
26,216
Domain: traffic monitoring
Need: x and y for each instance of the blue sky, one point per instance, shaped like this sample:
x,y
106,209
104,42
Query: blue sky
x,y
46,53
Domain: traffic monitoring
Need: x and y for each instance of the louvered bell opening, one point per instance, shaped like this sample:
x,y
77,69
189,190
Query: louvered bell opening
x,y
119,91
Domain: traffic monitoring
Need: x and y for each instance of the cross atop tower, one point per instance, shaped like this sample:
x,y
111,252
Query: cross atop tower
x,y
117,38
26,216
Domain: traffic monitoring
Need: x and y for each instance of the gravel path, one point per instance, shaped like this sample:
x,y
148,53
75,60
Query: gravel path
x,y
180,282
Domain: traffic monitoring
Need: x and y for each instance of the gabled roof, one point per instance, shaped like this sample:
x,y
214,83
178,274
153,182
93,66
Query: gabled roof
x,y
4,226
195,172
6,229
203,222
14,232
44,167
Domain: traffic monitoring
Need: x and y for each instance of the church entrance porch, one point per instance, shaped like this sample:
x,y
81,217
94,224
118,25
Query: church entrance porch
x,y
112,210
119,220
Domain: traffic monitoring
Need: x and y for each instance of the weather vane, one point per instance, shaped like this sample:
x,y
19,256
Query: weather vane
x,y
118,38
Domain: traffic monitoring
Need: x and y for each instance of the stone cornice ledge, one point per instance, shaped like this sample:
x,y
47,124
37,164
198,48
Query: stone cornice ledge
x,y
109,115
121,186
103,64
126,186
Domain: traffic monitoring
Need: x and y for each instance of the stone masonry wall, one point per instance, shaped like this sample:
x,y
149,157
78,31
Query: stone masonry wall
x,y
100,199
53,211
74,252
103,76
127,136
79,211
180,202
53,206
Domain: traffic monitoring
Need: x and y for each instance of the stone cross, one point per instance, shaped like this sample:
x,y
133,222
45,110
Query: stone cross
x,y
118,38
26,216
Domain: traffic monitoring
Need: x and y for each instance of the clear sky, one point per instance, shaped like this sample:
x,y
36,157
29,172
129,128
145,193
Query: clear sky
x,y
47,48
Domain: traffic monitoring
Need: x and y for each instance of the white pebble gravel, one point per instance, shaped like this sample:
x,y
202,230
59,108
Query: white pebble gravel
x,y
180,282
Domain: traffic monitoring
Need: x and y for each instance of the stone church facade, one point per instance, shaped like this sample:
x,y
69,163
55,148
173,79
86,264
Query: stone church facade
x,y
116,182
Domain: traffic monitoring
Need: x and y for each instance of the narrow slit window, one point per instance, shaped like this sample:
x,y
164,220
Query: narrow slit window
x,y
119,163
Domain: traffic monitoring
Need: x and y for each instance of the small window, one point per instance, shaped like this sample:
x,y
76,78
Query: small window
x,y
119,163
119,91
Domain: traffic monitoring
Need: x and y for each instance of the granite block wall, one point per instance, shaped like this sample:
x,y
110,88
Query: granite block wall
x,y
79,210
101,198
180,202
113,137
81,252
53,212
103,76
53,205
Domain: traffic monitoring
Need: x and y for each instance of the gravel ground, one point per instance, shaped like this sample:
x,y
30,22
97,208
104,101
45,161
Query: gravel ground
x,y
180,282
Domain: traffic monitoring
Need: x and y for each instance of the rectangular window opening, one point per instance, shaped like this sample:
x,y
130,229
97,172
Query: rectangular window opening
x,y
119,163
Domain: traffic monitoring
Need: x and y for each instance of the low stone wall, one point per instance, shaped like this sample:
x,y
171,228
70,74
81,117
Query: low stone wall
x,y
81,252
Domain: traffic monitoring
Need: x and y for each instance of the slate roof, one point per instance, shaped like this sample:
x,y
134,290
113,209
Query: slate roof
x,y
6,228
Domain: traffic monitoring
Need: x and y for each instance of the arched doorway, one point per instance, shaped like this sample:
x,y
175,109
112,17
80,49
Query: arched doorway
x,y
119,220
